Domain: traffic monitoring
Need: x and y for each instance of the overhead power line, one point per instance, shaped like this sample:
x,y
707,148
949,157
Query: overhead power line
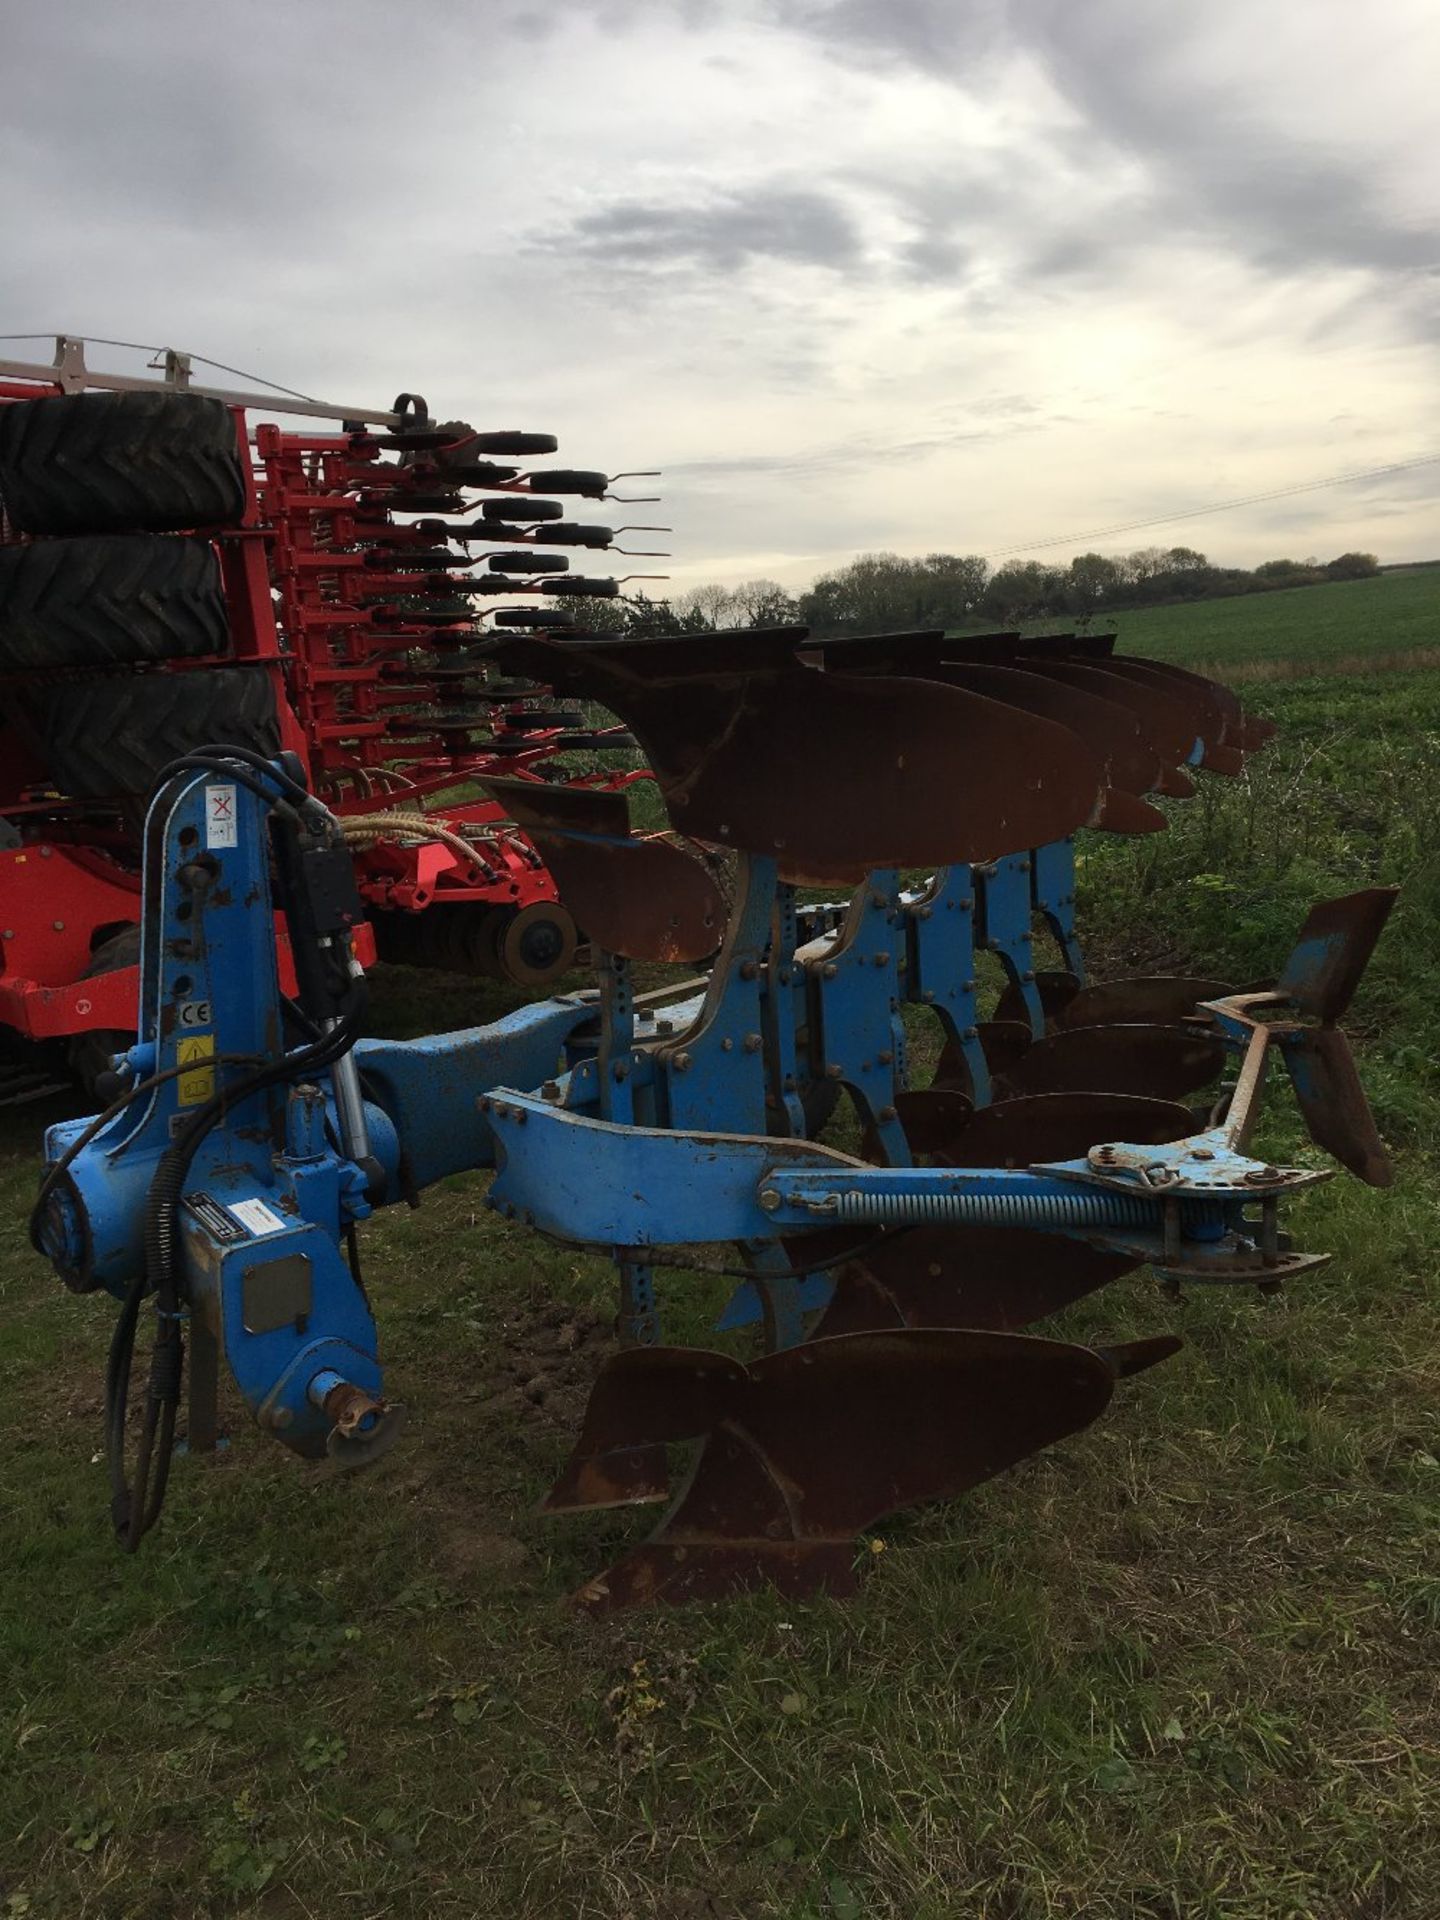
x,y
1221,506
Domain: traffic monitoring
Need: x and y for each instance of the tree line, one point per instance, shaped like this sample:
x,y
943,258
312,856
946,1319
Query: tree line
x,y
884,591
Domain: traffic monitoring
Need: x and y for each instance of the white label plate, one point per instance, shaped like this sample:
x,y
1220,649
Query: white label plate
x,y
259,1218
220,824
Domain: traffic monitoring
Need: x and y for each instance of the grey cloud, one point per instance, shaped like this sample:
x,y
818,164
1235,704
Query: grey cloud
x,y
722,233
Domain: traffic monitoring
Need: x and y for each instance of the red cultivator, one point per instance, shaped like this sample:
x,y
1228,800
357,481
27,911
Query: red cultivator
x,y
170,575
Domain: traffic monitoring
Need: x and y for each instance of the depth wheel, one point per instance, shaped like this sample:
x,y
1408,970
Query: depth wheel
x,y
538,945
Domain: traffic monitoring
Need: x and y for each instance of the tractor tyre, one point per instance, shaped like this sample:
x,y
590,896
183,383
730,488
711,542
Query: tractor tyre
x,y
108,738
120,463
110,601
92,1054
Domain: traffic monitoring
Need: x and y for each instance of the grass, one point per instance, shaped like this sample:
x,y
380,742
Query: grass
x,y
1343,626
1180,1668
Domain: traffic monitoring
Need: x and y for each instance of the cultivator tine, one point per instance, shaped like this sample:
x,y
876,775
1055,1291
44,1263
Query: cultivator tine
x,y
1333,951
805,1448
642,897
963,775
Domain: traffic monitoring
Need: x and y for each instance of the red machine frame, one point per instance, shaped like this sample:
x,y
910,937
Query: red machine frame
x,y
325,588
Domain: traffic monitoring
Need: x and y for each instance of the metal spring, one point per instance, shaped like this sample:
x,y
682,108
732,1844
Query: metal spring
x,y
997,1209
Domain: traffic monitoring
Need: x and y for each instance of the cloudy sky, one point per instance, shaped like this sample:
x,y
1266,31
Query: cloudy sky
x,y
911,274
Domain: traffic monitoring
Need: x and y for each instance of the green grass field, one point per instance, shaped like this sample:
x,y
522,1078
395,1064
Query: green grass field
x,y
1181,1668
1342,625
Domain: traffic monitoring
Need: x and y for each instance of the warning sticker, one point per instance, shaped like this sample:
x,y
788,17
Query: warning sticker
x,y
255,1215
220,828
196,1051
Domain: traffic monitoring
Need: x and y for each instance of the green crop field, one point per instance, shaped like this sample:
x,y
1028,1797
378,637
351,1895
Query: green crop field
x,y
1180,1668
1342,625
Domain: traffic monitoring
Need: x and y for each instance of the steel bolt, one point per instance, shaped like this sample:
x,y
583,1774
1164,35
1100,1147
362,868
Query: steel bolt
x,y
753,1043
748,969
886,1115
683,1063
58,925
885,1058
769,1199
727,1045
829,970
1202,1153
882,959
550,1090
834,1071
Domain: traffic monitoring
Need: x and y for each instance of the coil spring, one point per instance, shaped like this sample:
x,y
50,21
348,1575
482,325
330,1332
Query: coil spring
x,y
1080,1210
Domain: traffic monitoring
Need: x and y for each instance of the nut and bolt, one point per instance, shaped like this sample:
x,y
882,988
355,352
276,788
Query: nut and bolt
x,y
683,1062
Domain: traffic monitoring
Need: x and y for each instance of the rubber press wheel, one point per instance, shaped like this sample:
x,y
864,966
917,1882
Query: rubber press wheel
x,y
110,601
120,463
536,945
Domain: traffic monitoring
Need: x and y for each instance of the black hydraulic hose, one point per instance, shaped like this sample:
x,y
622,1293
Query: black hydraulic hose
x,y
136,1506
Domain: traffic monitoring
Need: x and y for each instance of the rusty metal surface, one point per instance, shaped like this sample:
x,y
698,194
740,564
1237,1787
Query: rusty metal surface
x,y
1332,1101
1333,951
1165,1062
638,896
1056,991
1107,728
761,758
1147,998
1037,1127
817,1442
1002,1042
1001,1278
1170,729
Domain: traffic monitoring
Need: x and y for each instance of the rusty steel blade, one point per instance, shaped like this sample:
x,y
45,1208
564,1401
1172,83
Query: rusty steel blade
x,y
1227,701
1166,1062
1001,1041
1333,951
1333,1104
1036,1127
1170,729
762,758
636,1405
824,1439
1056,991
1122,812
1175,784
641,897
538,805
1197,698
1003,1278
1145,998
1108,729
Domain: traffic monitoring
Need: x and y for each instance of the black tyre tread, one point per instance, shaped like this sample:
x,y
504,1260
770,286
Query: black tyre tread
x,y
110,600
120,463
109,737
91,1054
